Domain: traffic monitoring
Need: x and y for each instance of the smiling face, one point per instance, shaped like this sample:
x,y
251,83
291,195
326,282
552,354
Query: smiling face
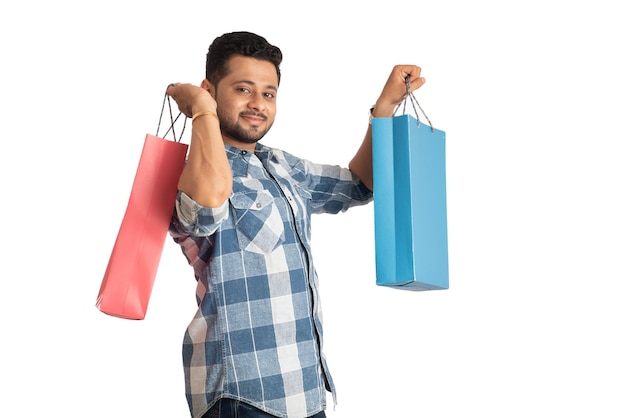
x,y
246,100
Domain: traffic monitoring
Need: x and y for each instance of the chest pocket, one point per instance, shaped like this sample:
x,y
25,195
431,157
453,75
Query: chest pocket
x,y
257,220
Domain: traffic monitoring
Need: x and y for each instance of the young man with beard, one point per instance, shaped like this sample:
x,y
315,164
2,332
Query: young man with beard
x,y
242,218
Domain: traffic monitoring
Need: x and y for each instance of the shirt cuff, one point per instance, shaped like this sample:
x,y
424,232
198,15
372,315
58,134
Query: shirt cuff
x,y
197,217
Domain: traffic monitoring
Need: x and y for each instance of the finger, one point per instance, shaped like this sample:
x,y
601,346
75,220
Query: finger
x,y
413,72
170,88
408,70
417,83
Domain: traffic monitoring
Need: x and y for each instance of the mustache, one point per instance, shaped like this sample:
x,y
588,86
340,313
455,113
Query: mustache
x,y
250,113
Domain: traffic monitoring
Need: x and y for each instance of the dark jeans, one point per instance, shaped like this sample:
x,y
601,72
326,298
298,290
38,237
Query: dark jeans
x,y
229,408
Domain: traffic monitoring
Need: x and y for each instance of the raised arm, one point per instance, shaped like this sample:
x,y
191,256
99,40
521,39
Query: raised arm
x,y
207,177
392,95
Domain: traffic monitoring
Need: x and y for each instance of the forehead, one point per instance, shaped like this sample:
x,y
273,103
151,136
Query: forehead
x,y
251,69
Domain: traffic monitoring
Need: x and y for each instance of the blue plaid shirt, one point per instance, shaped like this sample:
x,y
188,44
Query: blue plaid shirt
x,y
257,334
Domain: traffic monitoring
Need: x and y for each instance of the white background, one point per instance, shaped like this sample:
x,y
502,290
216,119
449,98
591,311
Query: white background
x,y
531,96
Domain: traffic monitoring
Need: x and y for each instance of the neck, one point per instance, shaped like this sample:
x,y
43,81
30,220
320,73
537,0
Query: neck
x,y
238,144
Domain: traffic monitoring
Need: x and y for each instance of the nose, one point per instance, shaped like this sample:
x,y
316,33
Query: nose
x,y
256,102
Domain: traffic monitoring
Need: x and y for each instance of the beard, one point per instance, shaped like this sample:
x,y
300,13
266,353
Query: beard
x,y
231,128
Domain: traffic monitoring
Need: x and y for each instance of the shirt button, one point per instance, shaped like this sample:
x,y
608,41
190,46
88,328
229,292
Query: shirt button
x,y
244,152
258,205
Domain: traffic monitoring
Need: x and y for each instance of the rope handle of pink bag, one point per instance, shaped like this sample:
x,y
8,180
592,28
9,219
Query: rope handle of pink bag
x,y
173,120
411,97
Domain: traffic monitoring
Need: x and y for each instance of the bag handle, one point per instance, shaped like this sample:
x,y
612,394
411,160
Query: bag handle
x,y
173,121
411,97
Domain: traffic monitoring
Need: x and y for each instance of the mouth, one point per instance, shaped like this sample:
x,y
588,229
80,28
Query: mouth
x,y
253,119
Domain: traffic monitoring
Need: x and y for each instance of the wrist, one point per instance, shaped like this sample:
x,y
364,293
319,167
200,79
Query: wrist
x,y
203,103
202,107
380,110
204,113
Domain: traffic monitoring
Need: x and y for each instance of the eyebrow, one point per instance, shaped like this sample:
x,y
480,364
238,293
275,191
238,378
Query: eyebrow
x,y
252,83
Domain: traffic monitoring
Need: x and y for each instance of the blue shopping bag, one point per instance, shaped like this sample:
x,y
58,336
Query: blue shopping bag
x,y
410,209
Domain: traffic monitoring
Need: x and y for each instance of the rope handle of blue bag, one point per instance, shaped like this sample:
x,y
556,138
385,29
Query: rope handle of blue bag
x,y
411,97
173,120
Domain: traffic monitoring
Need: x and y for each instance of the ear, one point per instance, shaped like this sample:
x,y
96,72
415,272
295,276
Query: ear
x,y
206,84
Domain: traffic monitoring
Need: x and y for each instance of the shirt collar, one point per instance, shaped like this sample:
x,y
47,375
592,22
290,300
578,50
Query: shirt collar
x,y
239,158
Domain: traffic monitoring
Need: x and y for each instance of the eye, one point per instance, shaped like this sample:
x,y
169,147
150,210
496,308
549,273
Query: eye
x,y
243,90
269,95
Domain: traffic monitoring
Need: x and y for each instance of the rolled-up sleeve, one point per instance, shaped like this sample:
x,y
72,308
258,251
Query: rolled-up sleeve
x,y
198,220
334,188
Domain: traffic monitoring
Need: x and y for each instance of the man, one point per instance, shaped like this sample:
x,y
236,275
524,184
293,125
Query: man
x,y
242,218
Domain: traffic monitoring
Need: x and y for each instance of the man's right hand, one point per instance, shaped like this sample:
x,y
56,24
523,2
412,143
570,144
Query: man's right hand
x,y
191,99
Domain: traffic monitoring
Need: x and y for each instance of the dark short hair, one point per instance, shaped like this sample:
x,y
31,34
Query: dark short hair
x,y
239,43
